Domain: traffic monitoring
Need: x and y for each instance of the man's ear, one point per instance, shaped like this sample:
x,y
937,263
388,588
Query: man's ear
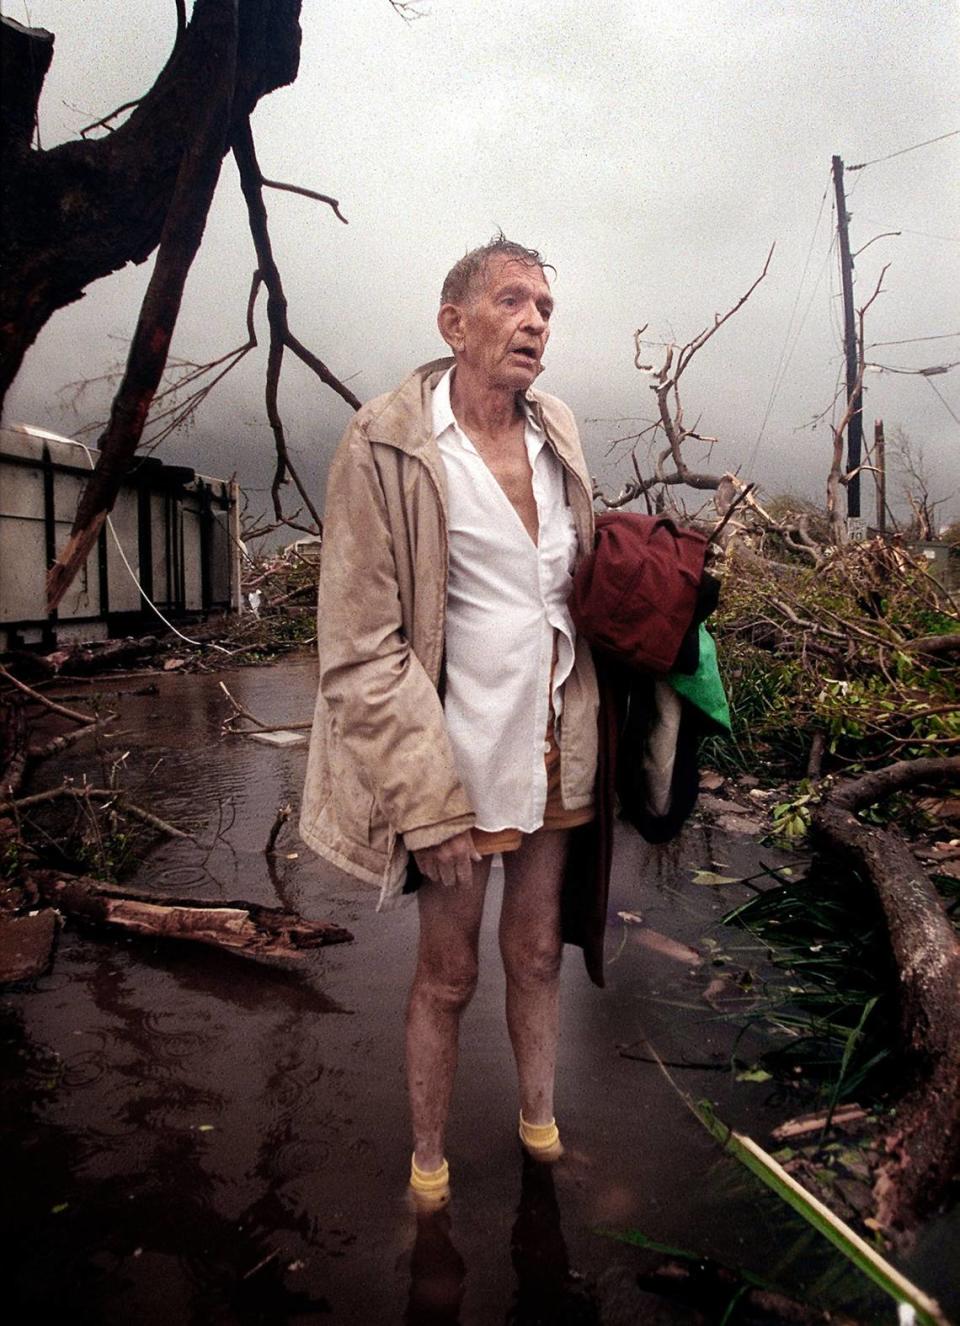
x,y
450,324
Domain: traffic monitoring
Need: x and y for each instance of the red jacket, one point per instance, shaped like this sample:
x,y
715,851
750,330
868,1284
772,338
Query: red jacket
x,y
634,599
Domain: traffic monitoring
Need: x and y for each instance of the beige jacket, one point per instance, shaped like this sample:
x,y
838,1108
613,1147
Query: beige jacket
x,y
380,776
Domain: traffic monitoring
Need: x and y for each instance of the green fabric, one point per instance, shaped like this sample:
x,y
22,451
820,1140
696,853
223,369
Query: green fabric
x,y
704,687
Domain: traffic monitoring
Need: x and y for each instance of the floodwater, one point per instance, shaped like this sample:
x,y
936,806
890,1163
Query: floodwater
x,y
193,1137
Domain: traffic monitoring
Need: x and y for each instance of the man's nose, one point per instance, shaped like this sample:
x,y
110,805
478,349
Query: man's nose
x,y
534,321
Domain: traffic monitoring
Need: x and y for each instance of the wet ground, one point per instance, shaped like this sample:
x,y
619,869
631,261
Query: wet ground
x,y
196,1138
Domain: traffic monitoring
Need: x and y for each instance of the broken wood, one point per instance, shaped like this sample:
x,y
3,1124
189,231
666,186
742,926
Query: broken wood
x,y
57,745
236,926
924,1147
74,715
27,944
805,1124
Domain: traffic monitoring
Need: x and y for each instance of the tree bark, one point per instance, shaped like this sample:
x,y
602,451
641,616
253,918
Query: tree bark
x,y
923,1150
237,926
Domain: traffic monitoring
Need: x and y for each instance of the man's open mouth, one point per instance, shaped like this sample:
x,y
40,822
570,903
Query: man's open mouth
x,y
527,351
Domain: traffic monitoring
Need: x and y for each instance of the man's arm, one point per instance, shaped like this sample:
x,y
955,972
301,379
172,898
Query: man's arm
x,y
386,709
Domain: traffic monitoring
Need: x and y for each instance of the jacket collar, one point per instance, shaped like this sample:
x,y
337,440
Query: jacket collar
x,y
404,419
441,410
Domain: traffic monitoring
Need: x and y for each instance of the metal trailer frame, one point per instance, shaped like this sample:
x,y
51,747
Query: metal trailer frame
x,y
178,531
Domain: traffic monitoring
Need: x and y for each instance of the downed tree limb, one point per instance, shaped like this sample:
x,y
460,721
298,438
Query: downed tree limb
x,y
74,715
115,795
241,711
56,745
236,926
923,1150
935,644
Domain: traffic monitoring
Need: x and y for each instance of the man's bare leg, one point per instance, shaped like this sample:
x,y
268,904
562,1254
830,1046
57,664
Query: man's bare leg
x,y
443,985
532,948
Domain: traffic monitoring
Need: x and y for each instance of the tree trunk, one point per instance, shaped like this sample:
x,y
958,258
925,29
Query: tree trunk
x,y
924,1147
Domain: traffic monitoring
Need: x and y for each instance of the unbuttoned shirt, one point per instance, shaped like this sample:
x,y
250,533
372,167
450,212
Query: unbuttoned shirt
x,y
507,619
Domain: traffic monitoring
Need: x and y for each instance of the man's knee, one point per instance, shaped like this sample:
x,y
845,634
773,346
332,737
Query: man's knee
x,y
531,962
449,983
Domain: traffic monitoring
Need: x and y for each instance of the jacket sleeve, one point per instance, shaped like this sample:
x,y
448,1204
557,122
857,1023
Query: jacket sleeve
x,y
385,708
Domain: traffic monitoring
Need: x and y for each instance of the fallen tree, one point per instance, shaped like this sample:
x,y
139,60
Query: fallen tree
x,y
923,1149
79,211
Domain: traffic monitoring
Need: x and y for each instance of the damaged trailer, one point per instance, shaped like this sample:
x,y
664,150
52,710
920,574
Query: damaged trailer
x,y
172,543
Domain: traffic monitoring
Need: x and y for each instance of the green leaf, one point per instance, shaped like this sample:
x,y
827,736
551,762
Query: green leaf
x,y
755,1074
708,877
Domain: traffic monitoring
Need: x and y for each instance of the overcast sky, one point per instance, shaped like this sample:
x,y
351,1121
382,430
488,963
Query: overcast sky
x,y
651,152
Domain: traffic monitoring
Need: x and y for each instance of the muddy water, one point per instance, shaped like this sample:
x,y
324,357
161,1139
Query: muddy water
x,y
195,1138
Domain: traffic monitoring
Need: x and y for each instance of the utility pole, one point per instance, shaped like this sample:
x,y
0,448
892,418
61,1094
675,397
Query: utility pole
x,y
879,459
854,387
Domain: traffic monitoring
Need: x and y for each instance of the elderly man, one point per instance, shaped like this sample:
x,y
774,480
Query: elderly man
x,y
456,715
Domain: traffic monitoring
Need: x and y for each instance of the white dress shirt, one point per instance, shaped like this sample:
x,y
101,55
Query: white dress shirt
x,y
506,609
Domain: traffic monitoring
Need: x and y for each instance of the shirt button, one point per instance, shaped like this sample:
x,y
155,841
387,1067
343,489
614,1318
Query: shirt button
x,y
546,748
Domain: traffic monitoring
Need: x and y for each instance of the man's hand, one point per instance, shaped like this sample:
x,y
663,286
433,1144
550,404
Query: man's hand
x,y
449,862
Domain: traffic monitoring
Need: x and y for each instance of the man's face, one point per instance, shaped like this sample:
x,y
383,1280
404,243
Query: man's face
x,y
505,326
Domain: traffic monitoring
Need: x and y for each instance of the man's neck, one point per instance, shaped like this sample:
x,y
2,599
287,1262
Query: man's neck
x,y
478,408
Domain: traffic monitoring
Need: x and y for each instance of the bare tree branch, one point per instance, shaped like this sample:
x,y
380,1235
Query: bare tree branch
x,y
307,193
281,338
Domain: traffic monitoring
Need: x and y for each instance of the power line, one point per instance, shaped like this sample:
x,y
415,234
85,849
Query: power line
x,y
783,363
933,371
924,234
939,139
913,340
943,400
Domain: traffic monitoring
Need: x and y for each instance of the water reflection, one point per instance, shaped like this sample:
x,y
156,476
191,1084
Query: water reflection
x,y
198,1138
548,1291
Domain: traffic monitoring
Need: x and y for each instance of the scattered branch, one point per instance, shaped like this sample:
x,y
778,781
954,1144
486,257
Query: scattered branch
x,y
74,715
84,793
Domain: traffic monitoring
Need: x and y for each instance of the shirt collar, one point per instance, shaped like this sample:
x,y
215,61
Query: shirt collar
x,y
444,418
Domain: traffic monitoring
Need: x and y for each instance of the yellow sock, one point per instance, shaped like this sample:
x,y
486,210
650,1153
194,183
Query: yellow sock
x,y
542,1140
430,1183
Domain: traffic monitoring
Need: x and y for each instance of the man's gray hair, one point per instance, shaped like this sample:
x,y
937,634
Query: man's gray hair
x,y
465,278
